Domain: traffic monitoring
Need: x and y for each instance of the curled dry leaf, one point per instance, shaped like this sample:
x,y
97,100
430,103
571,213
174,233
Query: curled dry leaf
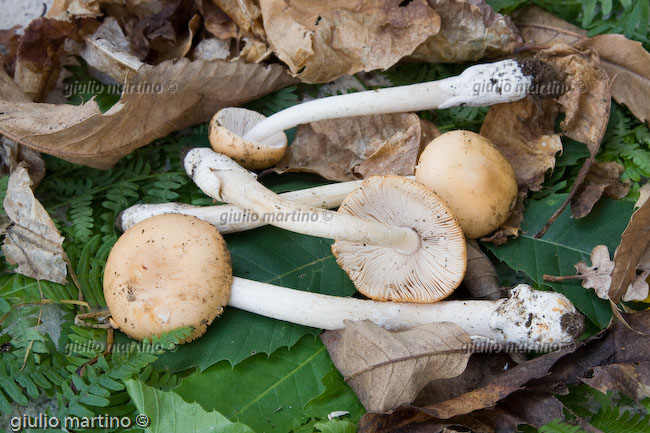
x,y
512,226
108,51
626,62
481,278
631,254
323,41
12,154
388,369
603,178
190,93
524,133
470,30
598,276
32,241
216,21
357,147
37,59
246,14
628,66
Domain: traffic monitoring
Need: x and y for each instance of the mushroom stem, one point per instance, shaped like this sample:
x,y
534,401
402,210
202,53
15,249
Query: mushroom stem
x,y
231,218
479,85
528,317
223,179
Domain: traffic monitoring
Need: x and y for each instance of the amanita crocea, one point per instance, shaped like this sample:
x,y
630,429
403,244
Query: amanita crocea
x,y
174,270
258,142
394,237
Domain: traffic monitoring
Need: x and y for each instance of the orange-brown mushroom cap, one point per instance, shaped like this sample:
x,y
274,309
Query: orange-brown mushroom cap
x,y
167,272
429,274
226,133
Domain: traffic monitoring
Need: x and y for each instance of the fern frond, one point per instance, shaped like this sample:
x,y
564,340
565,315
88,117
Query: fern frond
x,y
557,426
610,420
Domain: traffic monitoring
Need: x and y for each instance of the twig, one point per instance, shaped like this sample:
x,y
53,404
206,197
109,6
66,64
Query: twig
x,y
559,279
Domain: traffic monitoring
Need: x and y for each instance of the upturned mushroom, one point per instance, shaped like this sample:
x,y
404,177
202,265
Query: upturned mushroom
x,y
472,177
250,140
394,237
174,270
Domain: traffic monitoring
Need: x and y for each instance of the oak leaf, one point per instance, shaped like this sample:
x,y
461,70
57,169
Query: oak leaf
x,y
386,369
32,241
190,93
598,276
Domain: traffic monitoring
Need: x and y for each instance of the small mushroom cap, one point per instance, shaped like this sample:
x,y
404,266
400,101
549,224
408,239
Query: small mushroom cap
x,y
385,274
472,177
167,272
226,132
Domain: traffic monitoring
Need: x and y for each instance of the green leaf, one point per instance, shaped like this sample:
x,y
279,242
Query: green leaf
x,y
273,256
338,396
567,242
335,426
167,412
267,393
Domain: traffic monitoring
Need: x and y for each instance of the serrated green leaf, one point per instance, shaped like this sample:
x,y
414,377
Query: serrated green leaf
x,y
338,396
273,256
267,393
567,242
168,412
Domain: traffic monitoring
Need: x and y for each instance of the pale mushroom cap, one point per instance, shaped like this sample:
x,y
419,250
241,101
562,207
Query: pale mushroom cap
x,y
386,274
166,272
226,132
472,177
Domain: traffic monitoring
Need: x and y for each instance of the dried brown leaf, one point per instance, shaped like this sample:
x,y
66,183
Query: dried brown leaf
x,y
586,99
32,241
64,10
37,59
628,65
603,178
184,44
191,92
108,51
626,62
12,154
524,133
631,379
635,241
387,369
481,278
357,147
598,276
470,30
217,22
9,40
500,387
246,14
321,41
539,27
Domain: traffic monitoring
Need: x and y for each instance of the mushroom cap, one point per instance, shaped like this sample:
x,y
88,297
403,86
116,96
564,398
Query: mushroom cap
x,y
474,179
167,272
385,274
226,132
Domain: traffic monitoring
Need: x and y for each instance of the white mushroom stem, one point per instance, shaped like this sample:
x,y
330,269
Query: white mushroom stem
x,y
223,179
530,318
479,85
231,218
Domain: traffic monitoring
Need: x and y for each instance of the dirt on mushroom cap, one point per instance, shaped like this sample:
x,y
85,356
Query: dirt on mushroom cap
x,y
167,272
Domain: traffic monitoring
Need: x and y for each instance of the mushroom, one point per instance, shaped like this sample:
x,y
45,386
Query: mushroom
x,y
478,85
171,270
394,237
226,130
474,179
230,218
159,277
